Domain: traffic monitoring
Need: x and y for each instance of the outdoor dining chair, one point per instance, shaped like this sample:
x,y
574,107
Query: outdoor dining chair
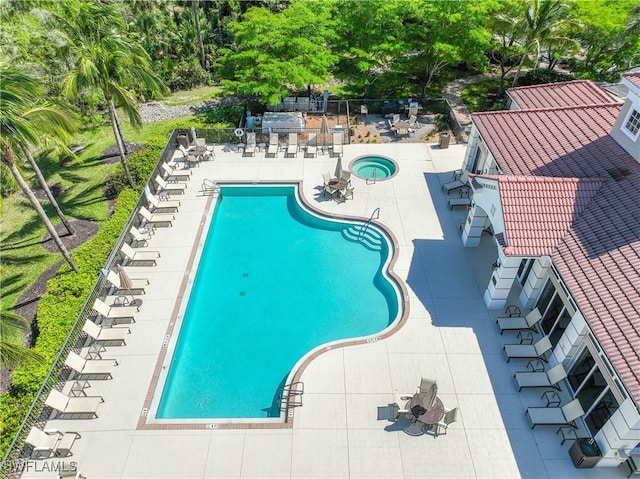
x,y
450,417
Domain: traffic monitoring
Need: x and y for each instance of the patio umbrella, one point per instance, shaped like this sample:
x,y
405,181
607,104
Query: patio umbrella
x,y
324,131
193,134
125,281
338,172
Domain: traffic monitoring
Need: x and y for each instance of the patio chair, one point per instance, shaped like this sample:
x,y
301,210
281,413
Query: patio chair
x,y
456,184
169,188
336,146
209,154
155,203
90,368
182,158
402,132
540,379
69,471
312,146
150,218
50,442
530,321
346,176
326,178
139,238
272,149
292,146
348,193
105,335
412,121
250,147
402,401
528,351
449,417
174,175
138,255
115,312
555,416
425,384
137,284
73,406
395,118
329,190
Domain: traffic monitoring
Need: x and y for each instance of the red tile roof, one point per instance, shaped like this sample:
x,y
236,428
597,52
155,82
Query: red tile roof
x,y
538,211
599,257
599,261
633,78
562,142
562,94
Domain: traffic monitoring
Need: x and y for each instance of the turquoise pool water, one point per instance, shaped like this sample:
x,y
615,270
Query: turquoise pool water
x,y
370,167
273,283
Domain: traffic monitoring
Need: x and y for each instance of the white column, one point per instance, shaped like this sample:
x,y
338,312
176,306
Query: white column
x,y
535,282
495,296
473,227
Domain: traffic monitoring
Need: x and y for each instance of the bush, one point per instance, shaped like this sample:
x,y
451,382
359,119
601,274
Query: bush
x,y
186,75
141,164
57,311
538,76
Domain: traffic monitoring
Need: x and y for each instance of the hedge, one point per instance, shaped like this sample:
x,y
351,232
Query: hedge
x,y
57,311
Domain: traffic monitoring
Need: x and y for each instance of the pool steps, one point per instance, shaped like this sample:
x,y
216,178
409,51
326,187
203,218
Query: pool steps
x,y
369,238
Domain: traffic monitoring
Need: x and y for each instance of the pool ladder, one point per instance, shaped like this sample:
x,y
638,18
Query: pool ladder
x,y
372,181
374,216
292,395
210,187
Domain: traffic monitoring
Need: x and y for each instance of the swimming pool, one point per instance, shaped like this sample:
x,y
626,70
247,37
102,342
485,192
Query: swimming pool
x,y
273,283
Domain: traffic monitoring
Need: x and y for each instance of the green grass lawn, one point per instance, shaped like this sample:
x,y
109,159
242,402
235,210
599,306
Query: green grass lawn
x,y
190,97
482,96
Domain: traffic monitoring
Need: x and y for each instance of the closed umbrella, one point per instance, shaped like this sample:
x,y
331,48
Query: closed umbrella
x,y
193,135
324,131
125,281
338,172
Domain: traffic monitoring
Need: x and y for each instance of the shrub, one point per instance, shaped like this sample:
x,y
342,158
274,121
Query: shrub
x,y
538,76
141,164
57,311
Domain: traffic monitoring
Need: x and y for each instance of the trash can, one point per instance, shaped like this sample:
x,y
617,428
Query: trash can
x,y
183,140
585,453
444,141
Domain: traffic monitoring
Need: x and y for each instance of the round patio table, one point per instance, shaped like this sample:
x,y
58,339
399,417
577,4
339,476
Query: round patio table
x,y
423,412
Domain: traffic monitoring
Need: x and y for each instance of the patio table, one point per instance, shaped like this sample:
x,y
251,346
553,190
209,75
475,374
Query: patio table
x,y
432,413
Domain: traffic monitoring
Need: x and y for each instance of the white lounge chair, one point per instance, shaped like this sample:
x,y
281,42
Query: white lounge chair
x,y
73,406
157,203
153,218
119,313
105,335
250,147
312,146
292,145
138,255
50,442
528,351
139,238
274,146
173,175
169,188
456,184
530,321
336,148
137,284
540,379
90,368
555,416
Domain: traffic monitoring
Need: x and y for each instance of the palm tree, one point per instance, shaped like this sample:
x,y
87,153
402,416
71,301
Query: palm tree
x,y
104,59
11,327
196,18
23,123
543,22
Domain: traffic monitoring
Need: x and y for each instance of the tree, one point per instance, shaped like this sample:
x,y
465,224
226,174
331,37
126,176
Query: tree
x,y
22,123
542,22
445,33
103,58
12,352
196,19
275,52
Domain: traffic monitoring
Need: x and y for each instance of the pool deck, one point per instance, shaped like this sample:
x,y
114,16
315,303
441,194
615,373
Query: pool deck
x,y
449,336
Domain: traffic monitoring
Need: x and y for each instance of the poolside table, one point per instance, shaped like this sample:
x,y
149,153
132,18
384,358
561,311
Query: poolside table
x,y
425,413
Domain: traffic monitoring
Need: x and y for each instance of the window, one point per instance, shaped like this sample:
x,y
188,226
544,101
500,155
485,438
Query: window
x,y
633,123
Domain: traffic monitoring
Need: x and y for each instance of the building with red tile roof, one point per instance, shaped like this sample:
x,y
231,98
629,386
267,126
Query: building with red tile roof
x,y
559,183
561,94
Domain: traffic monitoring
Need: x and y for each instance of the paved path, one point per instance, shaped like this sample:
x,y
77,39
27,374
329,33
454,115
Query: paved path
x,y
451,92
